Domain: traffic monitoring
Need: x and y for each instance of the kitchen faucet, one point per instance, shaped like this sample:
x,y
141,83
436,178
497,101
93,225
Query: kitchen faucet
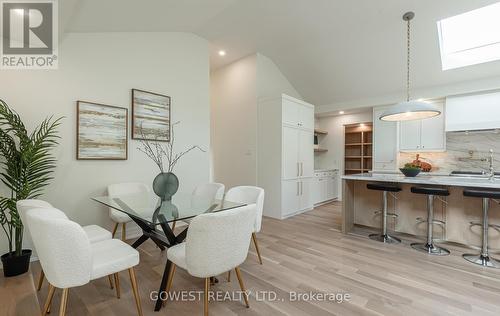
x,y
490,160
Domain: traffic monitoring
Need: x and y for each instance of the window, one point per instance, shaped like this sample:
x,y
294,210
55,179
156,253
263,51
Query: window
x,y
470,38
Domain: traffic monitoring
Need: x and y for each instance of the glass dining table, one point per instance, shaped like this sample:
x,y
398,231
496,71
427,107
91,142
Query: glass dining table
x,y
153,216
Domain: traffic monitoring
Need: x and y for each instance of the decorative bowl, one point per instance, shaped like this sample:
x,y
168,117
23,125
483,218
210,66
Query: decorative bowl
x,y
410,172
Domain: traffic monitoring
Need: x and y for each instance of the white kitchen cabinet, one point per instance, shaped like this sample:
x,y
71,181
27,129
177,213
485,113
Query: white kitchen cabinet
x,y
424,135
296,196
285,155
472,112
410,135
385,142
297,113
306,117
297,159
324,186
306,160
433,133
291,164
305,201
290,197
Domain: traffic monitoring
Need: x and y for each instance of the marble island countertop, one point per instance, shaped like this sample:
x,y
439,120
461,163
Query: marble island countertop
x,y
431,179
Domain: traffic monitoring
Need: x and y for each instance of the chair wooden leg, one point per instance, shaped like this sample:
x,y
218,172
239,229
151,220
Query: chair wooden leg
x,y
114,230
173,225
110,282
48,301
124,231
170,277
169,282
133,281
40,280
64,302
117,284
254,238
229,276
205,300
242,286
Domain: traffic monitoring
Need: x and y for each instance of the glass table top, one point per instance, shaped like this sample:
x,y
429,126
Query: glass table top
x,y
148,206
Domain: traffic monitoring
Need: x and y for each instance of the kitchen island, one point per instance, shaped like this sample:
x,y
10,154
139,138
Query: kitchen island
x,y
456,211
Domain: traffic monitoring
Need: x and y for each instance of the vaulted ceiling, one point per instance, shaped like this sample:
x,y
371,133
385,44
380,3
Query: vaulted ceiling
x,y
332,51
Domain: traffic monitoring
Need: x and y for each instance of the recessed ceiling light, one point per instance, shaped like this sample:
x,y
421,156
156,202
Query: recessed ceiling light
x,y
361,125
341,112
222,53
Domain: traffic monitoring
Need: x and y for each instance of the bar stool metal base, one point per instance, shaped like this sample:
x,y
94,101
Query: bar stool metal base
x,y
430,249
385,238
485,261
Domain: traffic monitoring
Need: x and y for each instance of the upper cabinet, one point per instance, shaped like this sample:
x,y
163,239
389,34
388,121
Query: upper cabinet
x,y
298,113
473,112
424,135
385,142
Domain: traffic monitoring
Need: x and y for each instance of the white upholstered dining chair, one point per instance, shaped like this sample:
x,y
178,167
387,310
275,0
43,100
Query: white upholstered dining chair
x,y
95,233
210,190
203,195
249,195
70,260
215,243
122,189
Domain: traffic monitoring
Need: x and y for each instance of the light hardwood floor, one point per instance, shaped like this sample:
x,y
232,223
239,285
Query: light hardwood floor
x,y
308,253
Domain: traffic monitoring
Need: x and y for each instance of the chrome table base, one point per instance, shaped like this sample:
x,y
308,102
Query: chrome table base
x,y
485,261
385,238
430,249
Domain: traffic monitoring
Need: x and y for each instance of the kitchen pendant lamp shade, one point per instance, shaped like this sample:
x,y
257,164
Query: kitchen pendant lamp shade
x,y
409,111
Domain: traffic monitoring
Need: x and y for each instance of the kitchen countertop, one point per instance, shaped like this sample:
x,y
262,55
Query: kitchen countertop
x,y
325,170
446,180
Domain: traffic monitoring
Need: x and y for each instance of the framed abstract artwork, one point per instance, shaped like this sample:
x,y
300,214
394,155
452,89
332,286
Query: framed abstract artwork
x,y
150,116
101,132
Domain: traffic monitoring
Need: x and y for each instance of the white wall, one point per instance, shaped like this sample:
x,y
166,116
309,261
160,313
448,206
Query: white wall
x,y
235,91
104,67
271,81
334,141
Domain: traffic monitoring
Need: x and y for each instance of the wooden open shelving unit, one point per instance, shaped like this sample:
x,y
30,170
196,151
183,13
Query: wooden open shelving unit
x,y
358,148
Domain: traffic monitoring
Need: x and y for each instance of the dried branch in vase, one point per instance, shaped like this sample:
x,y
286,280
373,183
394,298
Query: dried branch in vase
x,y
159,152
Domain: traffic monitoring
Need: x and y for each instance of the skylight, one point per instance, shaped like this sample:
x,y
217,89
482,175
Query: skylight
x,y
470,38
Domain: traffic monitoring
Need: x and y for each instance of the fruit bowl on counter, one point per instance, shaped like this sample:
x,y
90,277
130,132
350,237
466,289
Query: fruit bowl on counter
x,y
410,170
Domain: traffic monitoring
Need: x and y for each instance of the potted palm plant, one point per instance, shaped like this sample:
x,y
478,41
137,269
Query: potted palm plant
x,y
26,166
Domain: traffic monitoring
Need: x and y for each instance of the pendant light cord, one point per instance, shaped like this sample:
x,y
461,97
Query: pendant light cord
x,y
408,63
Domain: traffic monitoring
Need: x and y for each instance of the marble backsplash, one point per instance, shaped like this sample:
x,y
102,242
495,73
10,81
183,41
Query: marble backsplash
x,y
464,152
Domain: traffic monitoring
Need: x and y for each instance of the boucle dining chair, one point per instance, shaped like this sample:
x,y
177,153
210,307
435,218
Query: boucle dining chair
x,y
70,260
203,195
249,195
215,243
210,190
123,189
94,233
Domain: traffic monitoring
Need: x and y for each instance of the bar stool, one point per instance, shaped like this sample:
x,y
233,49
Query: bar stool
x,y
483,258
384,237
429,246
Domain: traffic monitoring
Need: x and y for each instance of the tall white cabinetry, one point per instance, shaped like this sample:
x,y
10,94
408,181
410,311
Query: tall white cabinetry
x,y
285,155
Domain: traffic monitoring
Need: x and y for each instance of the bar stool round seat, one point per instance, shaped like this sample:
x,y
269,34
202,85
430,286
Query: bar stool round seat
x,y
385,188
430,190
483,258
429,247
490,194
